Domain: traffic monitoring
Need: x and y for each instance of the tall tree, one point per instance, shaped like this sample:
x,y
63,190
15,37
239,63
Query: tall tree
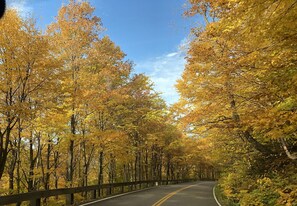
x,y
27,69
73,33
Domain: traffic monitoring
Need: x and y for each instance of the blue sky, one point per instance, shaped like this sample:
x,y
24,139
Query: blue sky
x,y
153,33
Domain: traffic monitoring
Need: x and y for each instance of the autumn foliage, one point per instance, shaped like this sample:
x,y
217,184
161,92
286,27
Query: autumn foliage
x,y
239,91
72,112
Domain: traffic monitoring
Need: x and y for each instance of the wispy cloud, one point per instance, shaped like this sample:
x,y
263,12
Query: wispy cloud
x,y
172,54
21,6
165,70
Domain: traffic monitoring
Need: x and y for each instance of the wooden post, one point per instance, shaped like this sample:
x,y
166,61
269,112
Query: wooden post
x,y
35,202
99,193
69,199
94,194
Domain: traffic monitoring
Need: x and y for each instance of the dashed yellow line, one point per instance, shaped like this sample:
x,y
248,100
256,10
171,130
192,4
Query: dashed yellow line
x,y
162,200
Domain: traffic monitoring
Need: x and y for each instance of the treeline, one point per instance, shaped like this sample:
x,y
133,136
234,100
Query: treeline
x,y
73,114
239,91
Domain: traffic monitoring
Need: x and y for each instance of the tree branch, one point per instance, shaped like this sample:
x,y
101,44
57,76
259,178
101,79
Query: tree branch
x,y
290,155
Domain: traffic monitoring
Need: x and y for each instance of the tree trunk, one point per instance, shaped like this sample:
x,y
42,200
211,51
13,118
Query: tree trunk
x,y
11,169
70,166
100,173
4,142
168,168
56,165
19,157
139,166
160,165
236,119
47,174
146,164
31,166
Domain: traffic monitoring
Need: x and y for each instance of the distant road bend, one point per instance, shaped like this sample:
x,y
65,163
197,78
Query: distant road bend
x,y
187,194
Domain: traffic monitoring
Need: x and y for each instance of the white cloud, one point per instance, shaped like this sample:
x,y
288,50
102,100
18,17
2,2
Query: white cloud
x,y
172,54
21,6
165,70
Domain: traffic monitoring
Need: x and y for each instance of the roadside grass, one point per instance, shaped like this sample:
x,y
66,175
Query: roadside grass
x,y
223,200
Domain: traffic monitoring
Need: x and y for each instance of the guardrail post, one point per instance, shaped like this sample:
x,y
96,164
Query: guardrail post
x,y
99,192
69,199
94,194
35,202
110,190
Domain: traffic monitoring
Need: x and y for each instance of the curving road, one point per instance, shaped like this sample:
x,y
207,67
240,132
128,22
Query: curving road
x,y
187,194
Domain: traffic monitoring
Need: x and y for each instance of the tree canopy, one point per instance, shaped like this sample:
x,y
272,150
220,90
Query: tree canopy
x,y
239,87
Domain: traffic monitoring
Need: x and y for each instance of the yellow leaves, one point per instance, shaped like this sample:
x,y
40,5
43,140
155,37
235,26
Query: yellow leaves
x,y
288,196
229,29
289,104
241,54
264,182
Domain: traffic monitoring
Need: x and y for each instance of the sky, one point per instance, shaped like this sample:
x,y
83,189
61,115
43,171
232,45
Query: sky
x,y
153,33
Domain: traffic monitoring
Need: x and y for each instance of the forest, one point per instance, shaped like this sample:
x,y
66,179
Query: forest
x,y
74,113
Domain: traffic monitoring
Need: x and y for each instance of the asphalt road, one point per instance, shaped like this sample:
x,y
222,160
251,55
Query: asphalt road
x,y
187,194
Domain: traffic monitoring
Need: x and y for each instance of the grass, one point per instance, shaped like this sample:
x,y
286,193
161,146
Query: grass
x,y
223,200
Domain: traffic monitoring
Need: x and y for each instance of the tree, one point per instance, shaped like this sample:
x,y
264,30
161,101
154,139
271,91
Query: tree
x,y
27,69
73,33
228,80
238,86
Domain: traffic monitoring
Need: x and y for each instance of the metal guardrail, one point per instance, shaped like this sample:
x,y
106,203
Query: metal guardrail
x,y
36,196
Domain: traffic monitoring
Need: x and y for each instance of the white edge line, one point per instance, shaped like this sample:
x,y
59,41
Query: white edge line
x,y
119,195
214,195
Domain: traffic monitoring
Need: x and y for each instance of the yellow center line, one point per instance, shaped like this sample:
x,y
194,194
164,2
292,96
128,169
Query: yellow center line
x,y
162,200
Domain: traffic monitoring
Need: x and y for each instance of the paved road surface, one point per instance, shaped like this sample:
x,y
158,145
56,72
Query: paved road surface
x,y
187,194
